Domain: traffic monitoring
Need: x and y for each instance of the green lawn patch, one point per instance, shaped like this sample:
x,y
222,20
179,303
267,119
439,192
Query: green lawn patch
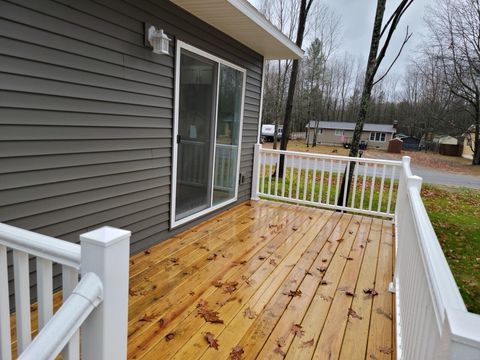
x,y
455,215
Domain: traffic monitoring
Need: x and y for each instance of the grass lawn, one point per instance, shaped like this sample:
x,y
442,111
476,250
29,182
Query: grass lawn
x,y
455,215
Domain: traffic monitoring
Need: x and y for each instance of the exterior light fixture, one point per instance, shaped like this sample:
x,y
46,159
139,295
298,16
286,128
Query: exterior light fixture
x,y
157,39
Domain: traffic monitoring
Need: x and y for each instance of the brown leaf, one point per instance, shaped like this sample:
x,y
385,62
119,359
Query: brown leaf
x,y
174,260
347,257
161,323
349,293
212,342
278,350
249,313
212,257
322,269
281,341
149,317
217,283
210,316
169,336
308,273
384,313
340,240
294,293
230,287
273,262
323,282
370,292
324,260
294,228
262,257
354,314
350,232
296,329
191,293
236,353
308,343
147,252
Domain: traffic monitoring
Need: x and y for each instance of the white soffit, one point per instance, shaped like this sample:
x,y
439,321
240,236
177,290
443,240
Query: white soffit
x,y
242,21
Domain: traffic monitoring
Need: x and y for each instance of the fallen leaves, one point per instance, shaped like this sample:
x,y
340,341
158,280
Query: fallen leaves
x,y
296,329
236,353
230,287
273,262
294,293
278,350
371,292
349,293
384,313
323,282
294,228
352,313
212,257
262,257
217,283
161,323
308,343
169,336
149,317
249,313
147,252
212,342
208,314
322,269
385,349
174,260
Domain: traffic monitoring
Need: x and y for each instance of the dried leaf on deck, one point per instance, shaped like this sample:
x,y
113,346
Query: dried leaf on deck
x,y
370,292
249,313
384,313
294,228
347,257
308,343
308,273
340,240
235,263
278,350
385,349
174,260
212,342
191,293
212,257
147,252
217,283
324,260
230,287
350,232
161,323
296,329
236,353
294,293
322,269
349,293
273,262
323,282
209,315
262,257
354,314
169,336
149,317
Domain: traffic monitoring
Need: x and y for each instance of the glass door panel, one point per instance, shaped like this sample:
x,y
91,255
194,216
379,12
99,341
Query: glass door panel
x,y
228,133
195,139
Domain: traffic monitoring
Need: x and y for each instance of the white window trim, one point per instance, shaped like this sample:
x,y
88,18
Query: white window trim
x,y
339,132
179,46
374,133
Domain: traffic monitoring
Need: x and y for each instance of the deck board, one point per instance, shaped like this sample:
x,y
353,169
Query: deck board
x,y
269,251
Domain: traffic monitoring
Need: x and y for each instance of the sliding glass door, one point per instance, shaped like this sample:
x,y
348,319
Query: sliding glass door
x,y
209,95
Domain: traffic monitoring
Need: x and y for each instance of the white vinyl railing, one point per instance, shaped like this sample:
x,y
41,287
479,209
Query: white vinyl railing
x,y
431,318
316,180
98,303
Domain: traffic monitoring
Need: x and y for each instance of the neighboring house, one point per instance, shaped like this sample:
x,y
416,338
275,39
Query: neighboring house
x,y
98,129
409,142
469,143
338,133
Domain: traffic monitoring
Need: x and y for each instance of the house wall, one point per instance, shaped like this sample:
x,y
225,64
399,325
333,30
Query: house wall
x,y
86,114
328,137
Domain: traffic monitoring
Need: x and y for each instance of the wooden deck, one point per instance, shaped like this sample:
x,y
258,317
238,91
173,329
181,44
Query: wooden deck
x,y
281,281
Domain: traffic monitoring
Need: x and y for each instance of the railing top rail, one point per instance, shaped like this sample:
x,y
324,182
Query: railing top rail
x,y
86,296
334,157
43,246
442,282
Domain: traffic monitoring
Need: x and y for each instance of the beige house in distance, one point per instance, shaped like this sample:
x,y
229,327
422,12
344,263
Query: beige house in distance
x,y
338,133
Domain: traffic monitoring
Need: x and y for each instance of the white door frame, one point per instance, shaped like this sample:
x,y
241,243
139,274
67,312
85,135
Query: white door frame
x,y
179,46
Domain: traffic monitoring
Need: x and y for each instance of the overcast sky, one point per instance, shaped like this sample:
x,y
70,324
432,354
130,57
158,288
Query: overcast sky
x,y
357,20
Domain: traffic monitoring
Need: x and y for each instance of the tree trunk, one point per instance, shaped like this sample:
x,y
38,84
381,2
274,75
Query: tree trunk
x,y
476,142
302,19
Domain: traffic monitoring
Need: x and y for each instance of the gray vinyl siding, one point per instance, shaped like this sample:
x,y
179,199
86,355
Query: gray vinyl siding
x,y
86,114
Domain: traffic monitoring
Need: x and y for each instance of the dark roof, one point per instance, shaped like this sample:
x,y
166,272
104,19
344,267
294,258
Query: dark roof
x,y
337,125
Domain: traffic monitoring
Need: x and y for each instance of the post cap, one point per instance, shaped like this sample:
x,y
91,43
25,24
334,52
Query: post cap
x,y
105,236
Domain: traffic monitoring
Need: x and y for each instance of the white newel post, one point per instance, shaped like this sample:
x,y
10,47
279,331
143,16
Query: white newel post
x,y
105,252
256,171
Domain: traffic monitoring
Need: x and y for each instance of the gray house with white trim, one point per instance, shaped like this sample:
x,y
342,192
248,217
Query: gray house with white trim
x,y
338,133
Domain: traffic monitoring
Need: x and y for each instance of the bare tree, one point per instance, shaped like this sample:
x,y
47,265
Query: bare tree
x,y
455,25
376,55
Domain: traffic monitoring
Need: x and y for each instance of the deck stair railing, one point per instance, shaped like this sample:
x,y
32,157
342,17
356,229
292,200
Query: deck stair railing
x,y
97,304
431,319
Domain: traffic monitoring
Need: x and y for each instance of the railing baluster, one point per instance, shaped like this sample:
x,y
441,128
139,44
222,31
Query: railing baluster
x,y
314,179
292,160
364,184
284,172
346,189
270,166
355,178
299,172
69,281
264,165
22,299
305,182
380,194
44,291
322,176
329,182
337,185
372,189
276,174
390,192
5,339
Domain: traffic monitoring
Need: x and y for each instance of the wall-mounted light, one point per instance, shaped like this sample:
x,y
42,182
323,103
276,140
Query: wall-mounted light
x,y
157,39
